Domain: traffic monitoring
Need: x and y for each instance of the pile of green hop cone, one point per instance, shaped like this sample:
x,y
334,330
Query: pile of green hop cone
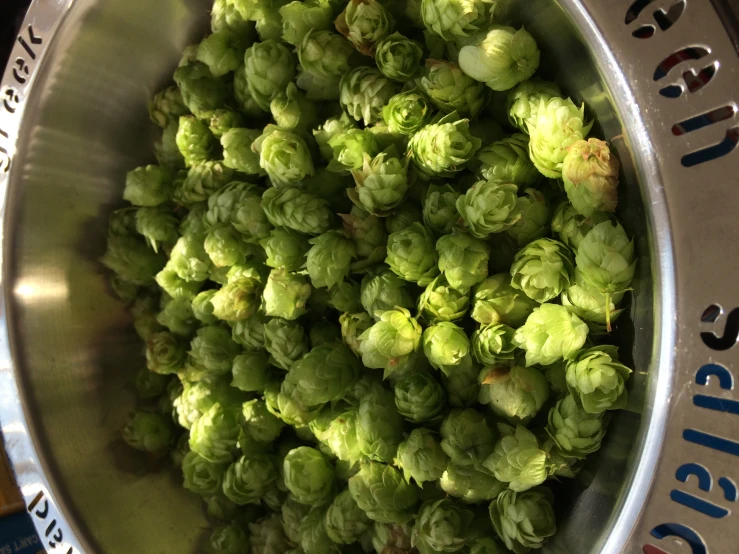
x,y
375,269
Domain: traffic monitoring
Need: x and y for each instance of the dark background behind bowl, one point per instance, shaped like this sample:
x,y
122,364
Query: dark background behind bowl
x,y
11,17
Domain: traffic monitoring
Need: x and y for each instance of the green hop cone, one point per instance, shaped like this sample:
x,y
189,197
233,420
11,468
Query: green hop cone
x,y
329,259
382,290
391,340
349,149
167,107
150,185
176,315
440,209
229,539
605,261
403,217
486,545
463,259
344,297
313,536
285,249
590,174
297,210
238,153
259,423
502,58
379,426
245,102
364,91
201,92
213,350
450,89
300,18
420,398
292,111
389,537
406,113
225,246
368,233
443,148
293,512
364,23
515,393
570,227
195,141
518,460
352,326
285,341
524,520
202,180
461,384
330,128
535,218
249,333
495,301
325,54
493,343
237,204
198,397
445,345
270,67
381,183
470,484
341,437
442,526
284,156
522,102
398,57
420,457
213,436
165,353
267,536
576,432
251,371
285,294
589,304
165,149
489,207
237,300
150,385
222,51
308,476
148,431
345,521
201,476
131,259
542,269
558,125
551,333
158,226
222,121
323,375
440,302
383,494
507,161
247,480
466,437
411,255
453,19
598,379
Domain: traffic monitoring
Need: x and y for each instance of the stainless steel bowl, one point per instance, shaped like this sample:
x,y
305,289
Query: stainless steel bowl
x,y
660,75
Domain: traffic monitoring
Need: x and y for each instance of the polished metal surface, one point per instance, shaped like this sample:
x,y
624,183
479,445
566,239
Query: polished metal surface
x,y
73,121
